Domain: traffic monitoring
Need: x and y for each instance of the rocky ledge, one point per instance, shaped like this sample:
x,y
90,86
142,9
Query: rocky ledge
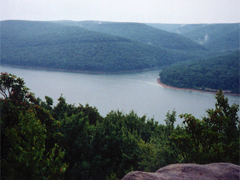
x,y
214,171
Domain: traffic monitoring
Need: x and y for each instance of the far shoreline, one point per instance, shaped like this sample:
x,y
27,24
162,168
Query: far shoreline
x,y
116,72
79,71
188,89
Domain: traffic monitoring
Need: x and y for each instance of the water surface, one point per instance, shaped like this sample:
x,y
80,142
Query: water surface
x,y
137,91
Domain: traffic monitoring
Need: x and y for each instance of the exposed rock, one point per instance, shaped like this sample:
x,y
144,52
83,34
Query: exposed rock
x,y
214,171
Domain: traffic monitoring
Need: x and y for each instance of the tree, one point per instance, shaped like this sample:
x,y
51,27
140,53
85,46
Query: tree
x,y
12,87
60,111
212,139
28,135
48,104
170,120
223,129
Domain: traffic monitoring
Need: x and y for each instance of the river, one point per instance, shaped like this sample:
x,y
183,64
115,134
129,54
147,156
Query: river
x,y
137,91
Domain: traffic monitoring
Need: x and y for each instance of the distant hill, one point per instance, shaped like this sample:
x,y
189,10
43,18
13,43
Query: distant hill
x,y
59,46
217,37
165,27
140,32
176,28
220,72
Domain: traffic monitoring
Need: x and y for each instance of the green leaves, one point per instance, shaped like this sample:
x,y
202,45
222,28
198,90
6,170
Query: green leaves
x,y
58,46
29,144
212,139
170,120
210,74
81,144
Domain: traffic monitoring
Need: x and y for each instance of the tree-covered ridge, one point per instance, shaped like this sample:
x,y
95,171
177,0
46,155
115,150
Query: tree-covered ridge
x,y
37,33
216,36
142,33
166,27
42,141
53,45
220,72
213,36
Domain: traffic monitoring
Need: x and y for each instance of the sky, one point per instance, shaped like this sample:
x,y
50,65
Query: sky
x,y
145,11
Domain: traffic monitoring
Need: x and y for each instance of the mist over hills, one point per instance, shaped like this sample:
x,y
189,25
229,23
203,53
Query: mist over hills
x,y
60,46
96,46
217,37
142,33
217,72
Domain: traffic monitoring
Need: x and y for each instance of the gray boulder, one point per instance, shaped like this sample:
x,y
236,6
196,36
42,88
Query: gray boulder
x,y
214,171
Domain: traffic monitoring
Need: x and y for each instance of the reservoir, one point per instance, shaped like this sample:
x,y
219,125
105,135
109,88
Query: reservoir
x,y
138,91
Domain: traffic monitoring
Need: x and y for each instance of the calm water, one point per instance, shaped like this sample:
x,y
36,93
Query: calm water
x,y
125,92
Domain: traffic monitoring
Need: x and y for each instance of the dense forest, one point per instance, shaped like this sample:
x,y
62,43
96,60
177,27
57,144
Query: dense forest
x,y
65,141
216,37
59,46
110,46
141,33
42,141
220,72
95,46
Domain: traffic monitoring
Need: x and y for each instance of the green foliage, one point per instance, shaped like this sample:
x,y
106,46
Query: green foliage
x,y
24,158
220,72
48,104
170,120
29,138
142,33
58,46
217,37
214,36
42,141
114,145
215,138
13,88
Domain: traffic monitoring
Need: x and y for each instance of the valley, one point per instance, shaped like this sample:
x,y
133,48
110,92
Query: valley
x,y
114,47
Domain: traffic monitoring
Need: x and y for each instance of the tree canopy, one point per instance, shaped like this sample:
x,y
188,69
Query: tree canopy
x,y
29,135
221,72
140,32
59,46
216,37
42,141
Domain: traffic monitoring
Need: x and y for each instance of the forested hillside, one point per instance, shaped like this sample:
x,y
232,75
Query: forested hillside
x,y
96,46
58,46
142,33
217,37
166,27
220,72
42,141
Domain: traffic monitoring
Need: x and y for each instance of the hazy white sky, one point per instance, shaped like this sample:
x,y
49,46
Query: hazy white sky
x,y
152,11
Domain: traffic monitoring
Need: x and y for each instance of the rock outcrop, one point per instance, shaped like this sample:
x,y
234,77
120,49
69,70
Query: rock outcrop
x,y
214,171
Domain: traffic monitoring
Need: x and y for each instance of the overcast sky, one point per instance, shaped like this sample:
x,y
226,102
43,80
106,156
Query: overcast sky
x,y
147,11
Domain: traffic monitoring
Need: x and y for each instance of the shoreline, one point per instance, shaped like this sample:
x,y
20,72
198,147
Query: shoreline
x,y
79,71
188,89
117,72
